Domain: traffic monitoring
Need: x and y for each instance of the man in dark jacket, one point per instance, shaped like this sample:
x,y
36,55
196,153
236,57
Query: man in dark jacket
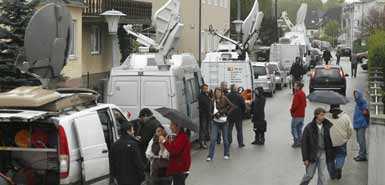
x,y
296,71
327,56
235,117
317,148
354,64
147,127
258,111
127,168
205,114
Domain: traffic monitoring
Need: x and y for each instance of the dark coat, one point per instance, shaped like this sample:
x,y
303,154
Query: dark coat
x,y
205,105
126,164
310,142
327,55
224,106
297,70
237,114
258,111
146,132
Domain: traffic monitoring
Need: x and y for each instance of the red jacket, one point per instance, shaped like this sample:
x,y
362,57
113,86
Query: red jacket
x,y
299,105
180,154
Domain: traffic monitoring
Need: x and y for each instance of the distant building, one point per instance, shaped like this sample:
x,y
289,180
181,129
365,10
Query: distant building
x,y
354,17
312,23
214,12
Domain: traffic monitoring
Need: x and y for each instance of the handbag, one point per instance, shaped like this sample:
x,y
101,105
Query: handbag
x,y
218,116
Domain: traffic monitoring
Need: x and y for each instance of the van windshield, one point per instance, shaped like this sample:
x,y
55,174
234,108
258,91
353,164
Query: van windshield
x,y
259,71
272,68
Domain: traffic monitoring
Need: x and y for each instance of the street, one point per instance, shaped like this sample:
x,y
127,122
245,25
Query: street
x,y
276,163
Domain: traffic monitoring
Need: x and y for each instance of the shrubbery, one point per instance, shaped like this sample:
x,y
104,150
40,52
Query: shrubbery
x,y
376,49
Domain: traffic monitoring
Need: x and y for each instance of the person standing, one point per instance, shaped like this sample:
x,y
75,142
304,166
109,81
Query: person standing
x,y
296,71
259,122
225,89
158,156
127,167
317,148
180,154
235,117
338,56
327,56
361,120
297,111
222,106
205,114
354,64
147,126
340,133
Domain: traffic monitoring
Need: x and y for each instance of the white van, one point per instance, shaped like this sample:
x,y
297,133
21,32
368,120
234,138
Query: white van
x,y
62,138
224,66
139,83
284,54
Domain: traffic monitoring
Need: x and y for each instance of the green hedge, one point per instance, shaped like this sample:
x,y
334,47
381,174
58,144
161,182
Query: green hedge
x,y
376,49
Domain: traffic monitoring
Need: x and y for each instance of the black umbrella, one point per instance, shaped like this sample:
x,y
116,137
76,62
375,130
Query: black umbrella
x,y
328,97
178,118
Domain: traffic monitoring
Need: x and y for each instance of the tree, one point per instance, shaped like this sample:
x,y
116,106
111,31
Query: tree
x,y
14,18
332,30
374,21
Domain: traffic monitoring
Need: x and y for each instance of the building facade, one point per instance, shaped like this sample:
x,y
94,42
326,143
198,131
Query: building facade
x,y
214,12
354,17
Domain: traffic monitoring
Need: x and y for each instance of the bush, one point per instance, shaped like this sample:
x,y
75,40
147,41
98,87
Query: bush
x,y
376,50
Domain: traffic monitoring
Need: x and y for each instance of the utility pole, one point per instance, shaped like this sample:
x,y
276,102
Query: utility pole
x,y
276,21
200,33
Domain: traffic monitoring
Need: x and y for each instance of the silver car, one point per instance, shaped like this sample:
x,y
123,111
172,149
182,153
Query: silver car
x,y
264,79
280,74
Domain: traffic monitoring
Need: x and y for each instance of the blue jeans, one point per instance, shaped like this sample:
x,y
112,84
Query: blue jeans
x,y
339,161
296,129
215,127
361,142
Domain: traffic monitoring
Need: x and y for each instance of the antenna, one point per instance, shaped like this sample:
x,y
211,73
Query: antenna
x,y
47,41
168,31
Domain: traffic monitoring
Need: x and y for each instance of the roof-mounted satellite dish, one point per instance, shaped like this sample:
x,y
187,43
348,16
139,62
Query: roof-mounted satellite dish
x,y
47,41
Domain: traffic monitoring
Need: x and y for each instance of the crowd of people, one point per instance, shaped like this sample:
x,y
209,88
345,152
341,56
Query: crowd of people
x,y
145,154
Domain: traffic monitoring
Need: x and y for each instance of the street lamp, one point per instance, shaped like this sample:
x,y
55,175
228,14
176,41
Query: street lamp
x,y
238,28
112,18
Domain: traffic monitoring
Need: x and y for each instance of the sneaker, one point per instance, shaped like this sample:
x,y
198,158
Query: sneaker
x,y
357,157
295,145
361,159
209,159
226,157
254,143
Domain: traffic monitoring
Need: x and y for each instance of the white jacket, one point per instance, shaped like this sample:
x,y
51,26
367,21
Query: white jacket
x,y
150,155
342,129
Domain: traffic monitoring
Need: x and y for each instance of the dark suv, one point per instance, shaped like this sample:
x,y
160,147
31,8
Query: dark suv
x,y
328,77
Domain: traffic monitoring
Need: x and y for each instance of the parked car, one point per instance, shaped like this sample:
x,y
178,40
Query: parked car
x,y
364,65
315,57
280,74
57,137
264,79
328,77
344,50
362,56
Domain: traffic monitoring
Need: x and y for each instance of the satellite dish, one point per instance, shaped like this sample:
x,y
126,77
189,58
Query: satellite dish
x,y
47,41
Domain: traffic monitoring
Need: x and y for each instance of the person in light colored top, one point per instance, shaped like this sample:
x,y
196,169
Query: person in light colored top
x,y
158,156
340,133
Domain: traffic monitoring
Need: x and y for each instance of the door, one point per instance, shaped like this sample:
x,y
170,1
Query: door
x,y
93,149
192,90
125,93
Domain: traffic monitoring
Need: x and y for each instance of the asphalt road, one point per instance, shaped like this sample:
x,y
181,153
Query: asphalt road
x,y
276,163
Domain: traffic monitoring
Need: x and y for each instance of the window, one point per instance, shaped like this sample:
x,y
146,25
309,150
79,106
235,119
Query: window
x,y
225,3
216,3
273,68
210,2
106,121
72,52
95,40
119,118
328,73
259,71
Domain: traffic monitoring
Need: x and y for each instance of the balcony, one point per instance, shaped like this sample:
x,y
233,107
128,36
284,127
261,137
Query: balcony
x,y
134,10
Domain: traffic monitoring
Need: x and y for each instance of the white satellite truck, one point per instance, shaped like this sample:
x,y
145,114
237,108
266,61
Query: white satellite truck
x,y
230,62
161,79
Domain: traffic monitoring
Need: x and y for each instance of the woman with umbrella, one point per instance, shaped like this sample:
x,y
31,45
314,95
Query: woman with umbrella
x,y
341,130
180,147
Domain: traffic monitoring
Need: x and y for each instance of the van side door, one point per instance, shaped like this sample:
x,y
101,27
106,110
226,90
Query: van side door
x,y
192,91
93,149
